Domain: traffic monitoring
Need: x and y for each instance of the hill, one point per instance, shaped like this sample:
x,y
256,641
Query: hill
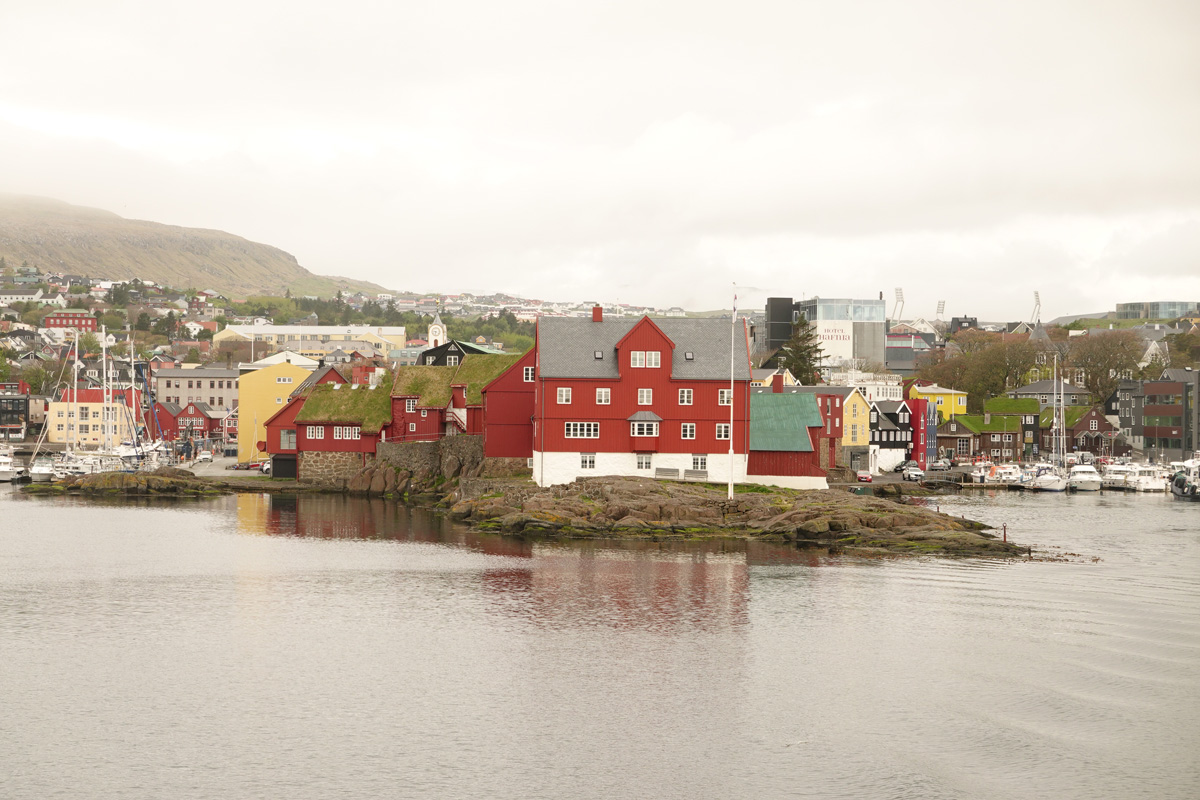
x,y
57,236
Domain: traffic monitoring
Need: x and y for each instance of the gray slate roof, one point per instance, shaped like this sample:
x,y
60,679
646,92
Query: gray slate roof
x,y
1045,387
836,391
199,372
568,345
1177,375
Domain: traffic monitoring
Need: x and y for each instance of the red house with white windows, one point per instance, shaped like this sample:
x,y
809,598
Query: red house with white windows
x,y
175,421
637,397
431,402
82,321
508,410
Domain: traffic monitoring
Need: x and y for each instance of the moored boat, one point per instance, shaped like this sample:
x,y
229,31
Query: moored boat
x,y
10,470
1083,478
1186,483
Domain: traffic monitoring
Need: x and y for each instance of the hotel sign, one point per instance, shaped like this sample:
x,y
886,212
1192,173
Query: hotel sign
x,y
837,340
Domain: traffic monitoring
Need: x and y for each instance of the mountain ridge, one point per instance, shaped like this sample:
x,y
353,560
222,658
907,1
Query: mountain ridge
x,y
54,235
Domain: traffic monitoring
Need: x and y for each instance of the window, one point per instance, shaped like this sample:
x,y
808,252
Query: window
x,y
723,430
1007,453
685,397
60,427
687,430
587,460
430,359
645,397
564,395
220,401
939,402
637,358
874,417
724,397
995,452
643,461
412,426
953,427
700,461
1094,425
213,385
424,412
528,374
1008,437
653,358
287,439
582,430
277,380
603,397
853,411
451,361
643,429
410,405
84,429
337,431
315,432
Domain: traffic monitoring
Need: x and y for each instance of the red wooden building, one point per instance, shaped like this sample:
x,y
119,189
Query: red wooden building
x,y
508,411
431,402
638,397
82,321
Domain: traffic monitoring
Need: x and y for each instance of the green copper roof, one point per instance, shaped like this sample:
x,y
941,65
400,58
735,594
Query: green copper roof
x,y
780,422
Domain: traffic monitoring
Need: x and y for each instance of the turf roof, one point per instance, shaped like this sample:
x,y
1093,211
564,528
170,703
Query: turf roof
x,y
1011,405
480,369
1071,415
333,402
431,385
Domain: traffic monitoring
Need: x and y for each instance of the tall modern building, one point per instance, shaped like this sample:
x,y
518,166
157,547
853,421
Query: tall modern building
x,y
852,332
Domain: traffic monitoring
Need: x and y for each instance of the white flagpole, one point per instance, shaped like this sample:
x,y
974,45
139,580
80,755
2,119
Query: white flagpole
x,y
732,361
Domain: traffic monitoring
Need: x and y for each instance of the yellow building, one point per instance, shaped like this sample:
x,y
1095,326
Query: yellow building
x,y
261,393
89,404
949,402
379,337
856,420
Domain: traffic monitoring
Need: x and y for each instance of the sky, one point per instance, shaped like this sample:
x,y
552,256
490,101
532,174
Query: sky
x,y
642,152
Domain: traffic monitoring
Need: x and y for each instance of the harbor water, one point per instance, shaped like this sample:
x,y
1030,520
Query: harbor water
x,y
324,646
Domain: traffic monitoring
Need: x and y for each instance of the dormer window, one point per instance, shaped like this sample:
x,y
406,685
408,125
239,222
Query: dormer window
x,y
599,355
689,356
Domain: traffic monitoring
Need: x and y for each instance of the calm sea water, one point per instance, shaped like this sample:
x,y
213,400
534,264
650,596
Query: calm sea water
x,y
327,647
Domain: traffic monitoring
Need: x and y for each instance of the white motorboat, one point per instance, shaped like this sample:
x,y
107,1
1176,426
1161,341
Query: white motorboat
x,y
10,470
1115,477
1046,478
1007,473
1083,478
42,469
1147,478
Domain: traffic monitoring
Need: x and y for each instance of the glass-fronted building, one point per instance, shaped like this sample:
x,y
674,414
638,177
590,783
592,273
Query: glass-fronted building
x,y
1165,309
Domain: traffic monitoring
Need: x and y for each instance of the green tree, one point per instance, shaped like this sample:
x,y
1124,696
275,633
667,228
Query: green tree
x,y
204,335
1104,357
192,357
801,354
88,344
143,322
165,326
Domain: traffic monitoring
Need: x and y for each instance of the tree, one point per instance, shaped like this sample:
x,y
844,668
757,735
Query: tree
x,y
143,322
205,335
192,357
801,354
1103,357
88,344
165,326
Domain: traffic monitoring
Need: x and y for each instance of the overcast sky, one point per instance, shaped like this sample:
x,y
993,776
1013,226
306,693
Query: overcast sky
x,y
641,152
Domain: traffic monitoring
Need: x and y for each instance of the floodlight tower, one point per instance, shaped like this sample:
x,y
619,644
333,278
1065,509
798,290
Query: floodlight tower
x,y
1037,308
898,309
941,308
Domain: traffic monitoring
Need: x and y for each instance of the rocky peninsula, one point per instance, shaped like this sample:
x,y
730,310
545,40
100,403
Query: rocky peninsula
x,y
610,507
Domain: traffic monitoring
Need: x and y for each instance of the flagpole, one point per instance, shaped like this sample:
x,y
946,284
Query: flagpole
x,y
732,350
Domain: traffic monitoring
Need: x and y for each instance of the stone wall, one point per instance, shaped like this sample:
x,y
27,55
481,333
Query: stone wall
x,y
331,469
448,457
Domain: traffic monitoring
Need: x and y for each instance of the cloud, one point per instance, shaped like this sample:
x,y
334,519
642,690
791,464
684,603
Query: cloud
x,y
659,150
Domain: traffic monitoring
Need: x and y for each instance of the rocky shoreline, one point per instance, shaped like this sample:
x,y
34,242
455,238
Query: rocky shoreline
x,y
617,507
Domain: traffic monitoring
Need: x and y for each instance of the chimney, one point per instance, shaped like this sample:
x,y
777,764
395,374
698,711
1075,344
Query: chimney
x,y
597,314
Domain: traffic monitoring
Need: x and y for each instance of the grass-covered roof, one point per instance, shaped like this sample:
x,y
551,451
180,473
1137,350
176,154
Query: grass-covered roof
x,y
333,402
1011,405
431,385
480,369
1071,415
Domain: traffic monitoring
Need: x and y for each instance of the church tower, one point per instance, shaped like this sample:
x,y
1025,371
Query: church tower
x,y
437,331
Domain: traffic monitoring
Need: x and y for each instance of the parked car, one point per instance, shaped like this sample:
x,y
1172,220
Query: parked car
x,y
903,465
941,465
204,455
863,476
913,474
265,469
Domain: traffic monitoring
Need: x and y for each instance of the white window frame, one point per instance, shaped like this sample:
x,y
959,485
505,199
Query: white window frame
x,y
412,427
410,405
315,432
724,397
451,361
337,431
644,460
700,461
564,395
581,430
528,374
603,396
724,431
587,460
653,359
645,397
643,429
637,359
685,397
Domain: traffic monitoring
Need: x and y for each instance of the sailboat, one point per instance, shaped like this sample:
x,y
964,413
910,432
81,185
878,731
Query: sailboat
x,y
1049,477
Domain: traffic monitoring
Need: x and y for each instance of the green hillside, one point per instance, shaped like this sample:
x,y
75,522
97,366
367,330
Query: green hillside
x,y
57,236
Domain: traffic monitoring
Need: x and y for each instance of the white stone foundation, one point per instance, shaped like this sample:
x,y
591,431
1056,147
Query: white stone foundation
x,y
553,469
